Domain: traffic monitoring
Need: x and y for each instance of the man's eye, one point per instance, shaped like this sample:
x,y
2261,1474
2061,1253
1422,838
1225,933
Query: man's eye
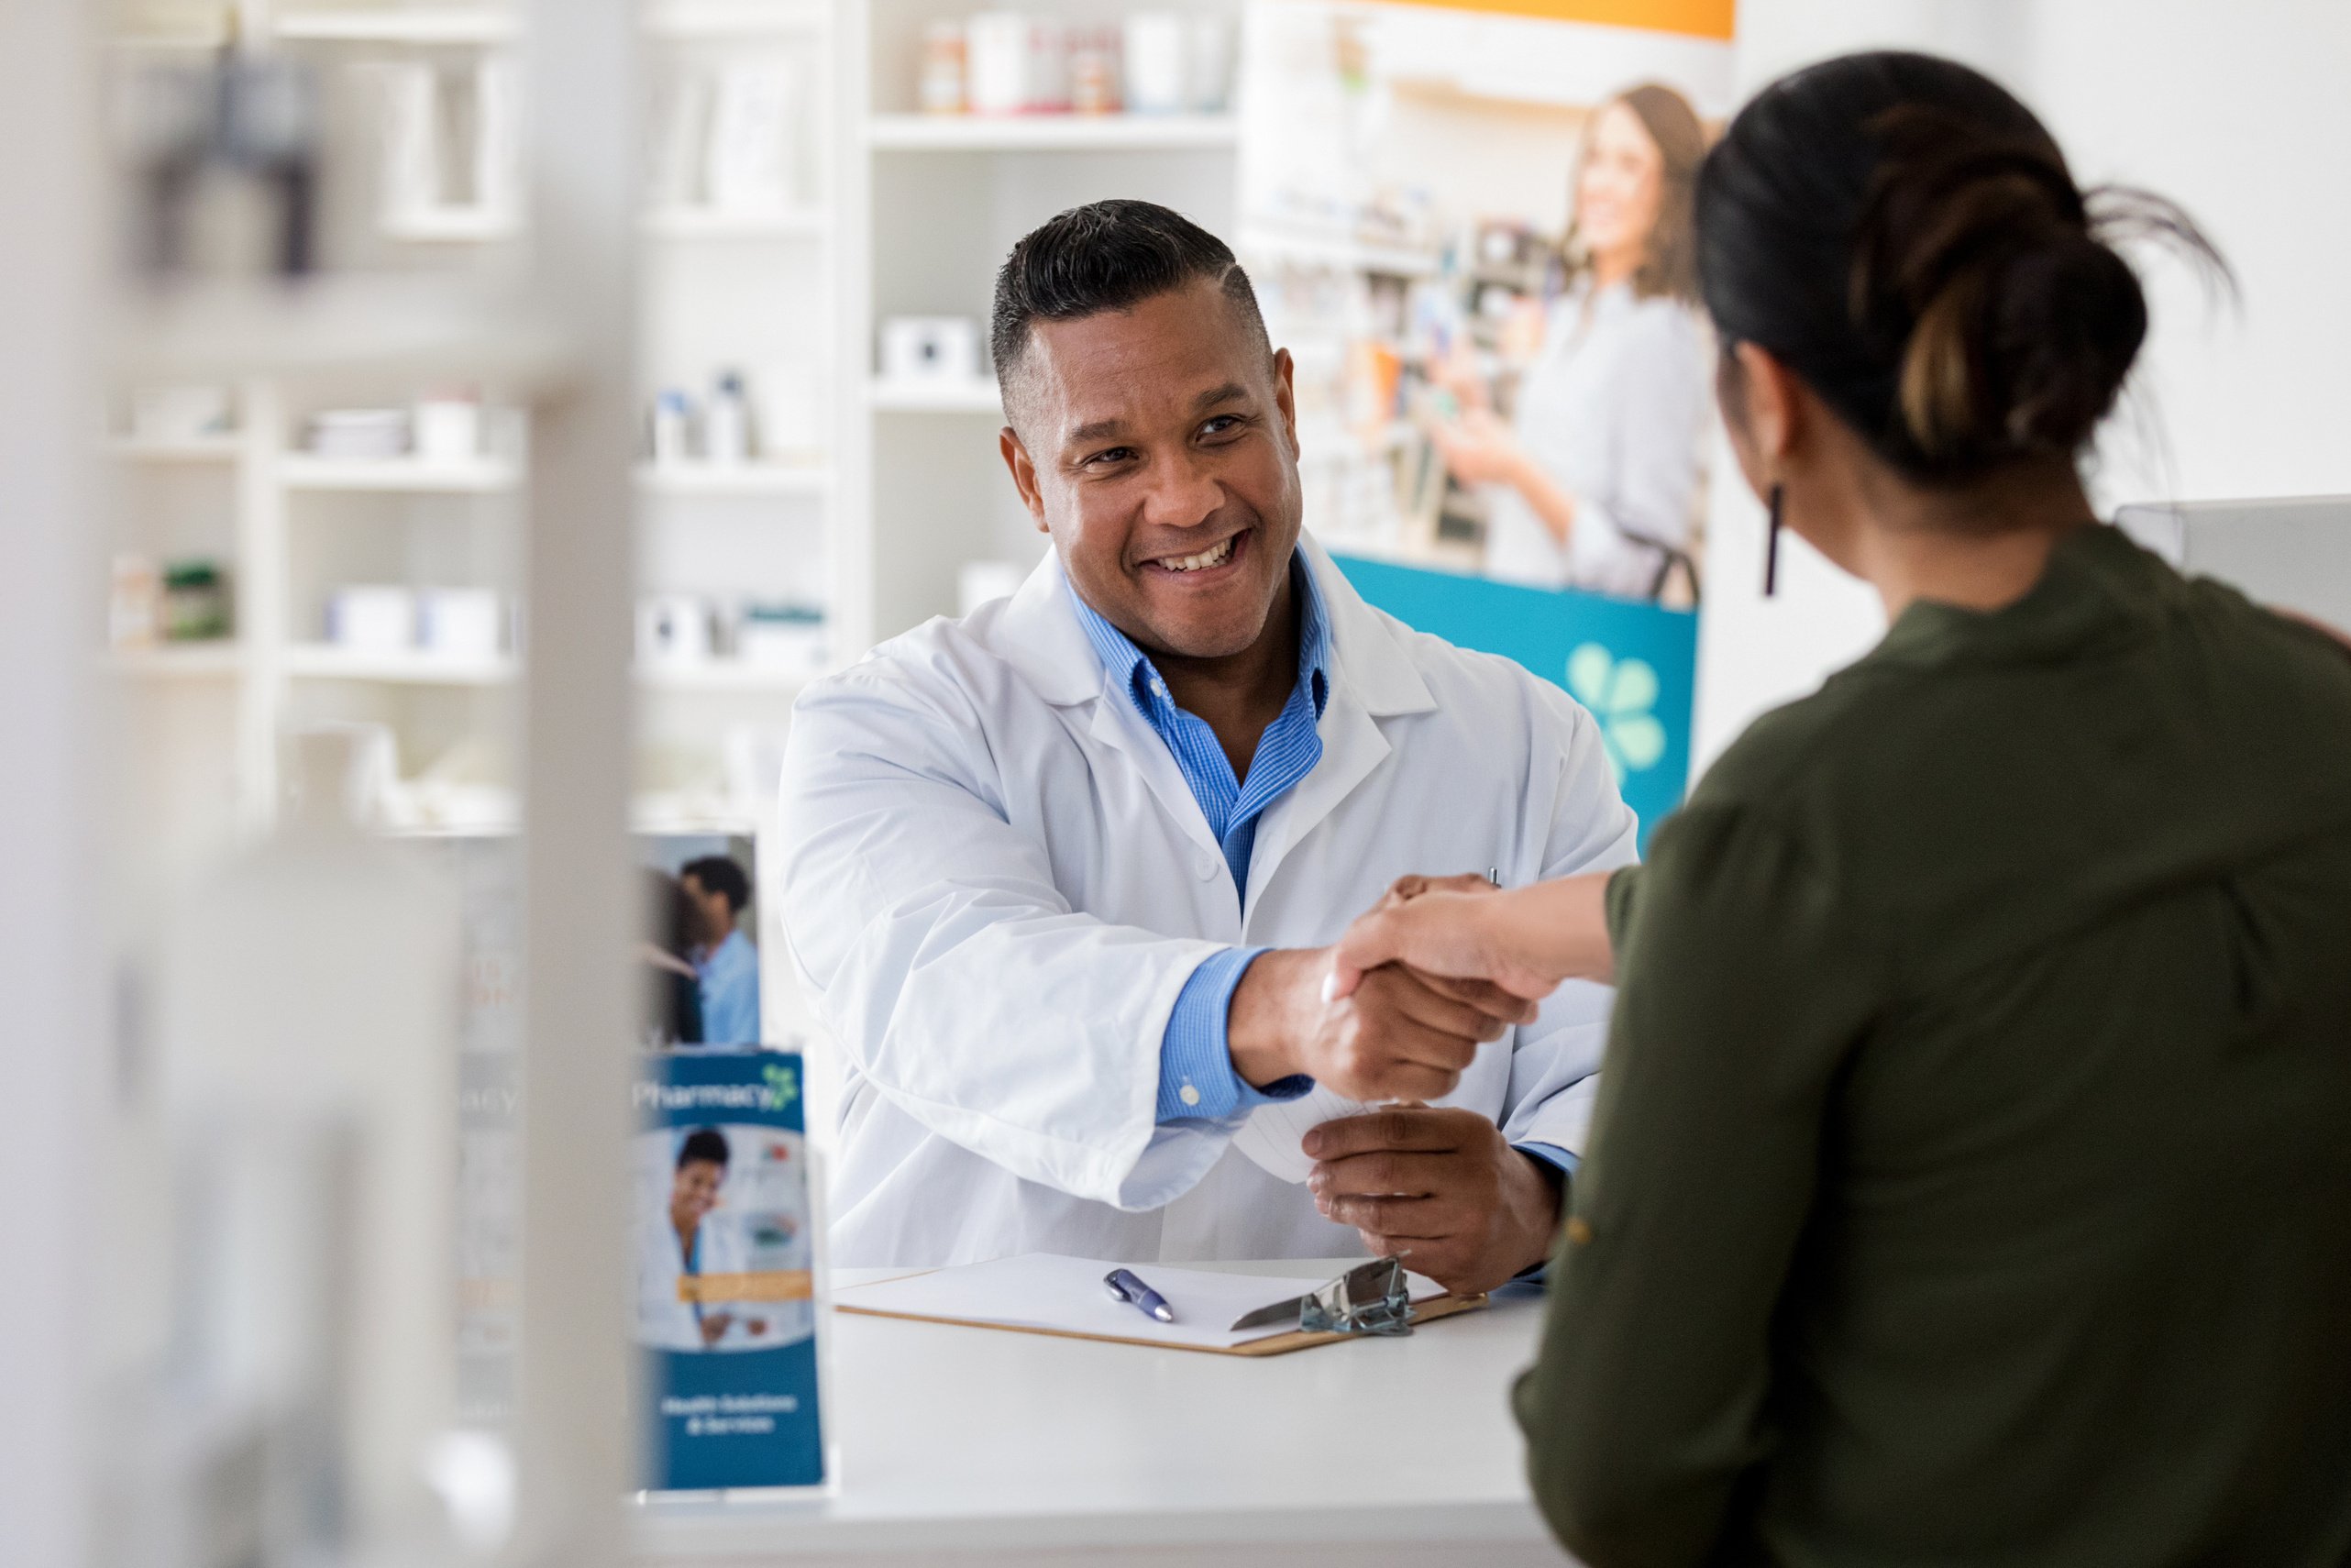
x,y
1114,455
1223,424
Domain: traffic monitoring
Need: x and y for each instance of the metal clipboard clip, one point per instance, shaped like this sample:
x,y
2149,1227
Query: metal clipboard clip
x,y
1369,1298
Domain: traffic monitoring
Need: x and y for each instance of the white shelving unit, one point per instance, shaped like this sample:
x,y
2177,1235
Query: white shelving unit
x,y
753,291
931,205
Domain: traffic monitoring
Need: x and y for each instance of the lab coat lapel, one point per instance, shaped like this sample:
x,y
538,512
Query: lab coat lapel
x,y
1037,633
1372,677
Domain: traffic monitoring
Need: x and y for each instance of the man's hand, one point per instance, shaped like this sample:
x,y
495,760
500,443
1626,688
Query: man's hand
x,y
1440,1186
1398,1035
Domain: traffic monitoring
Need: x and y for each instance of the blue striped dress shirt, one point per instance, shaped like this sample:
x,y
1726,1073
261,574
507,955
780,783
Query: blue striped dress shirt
x,y
1196,1075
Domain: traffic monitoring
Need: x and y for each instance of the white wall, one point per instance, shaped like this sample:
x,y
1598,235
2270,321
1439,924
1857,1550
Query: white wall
x,y
2237,112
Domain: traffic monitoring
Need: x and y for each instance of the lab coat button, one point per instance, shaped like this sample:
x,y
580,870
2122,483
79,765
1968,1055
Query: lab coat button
x,y
1207,865
1188,1094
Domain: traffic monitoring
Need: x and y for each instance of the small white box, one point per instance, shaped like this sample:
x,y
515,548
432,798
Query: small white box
x,y
449,430
372,618
931,349
674,629
461,623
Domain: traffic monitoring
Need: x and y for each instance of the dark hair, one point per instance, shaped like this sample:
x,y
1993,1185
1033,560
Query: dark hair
x,y
673,1006
1106,256
1905,237
718,874
1668,263
705,1143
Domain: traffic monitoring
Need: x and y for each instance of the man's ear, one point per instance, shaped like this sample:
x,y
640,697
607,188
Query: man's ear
x,y
1024,474
1286,398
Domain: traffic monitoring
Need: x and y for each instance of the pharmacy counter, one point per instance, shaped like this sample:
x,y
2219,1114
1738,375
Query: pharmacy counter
x,y
969,1446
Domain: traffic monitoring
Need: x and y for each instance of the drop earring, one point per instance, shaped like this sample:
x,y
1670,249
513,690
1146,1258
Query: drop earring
x,y
1771,546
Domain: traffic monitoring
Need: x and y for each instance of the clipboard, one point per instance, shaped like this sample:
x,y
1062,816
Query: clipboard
x,y
1068,1303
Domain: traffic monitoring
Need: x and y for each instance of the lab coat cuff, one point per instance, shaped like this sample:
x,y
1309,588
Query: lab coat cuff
x,y
1564,1161
1196,1082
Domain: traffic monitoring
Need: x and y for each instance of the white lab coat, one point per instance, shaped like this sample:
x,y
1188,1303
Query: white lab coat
x,y
996,883
664,1322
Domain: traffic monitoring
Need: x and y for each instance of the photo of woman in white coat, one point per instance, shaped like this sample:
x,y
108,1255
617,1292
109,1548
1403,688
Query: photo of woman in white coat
x,y
1591,482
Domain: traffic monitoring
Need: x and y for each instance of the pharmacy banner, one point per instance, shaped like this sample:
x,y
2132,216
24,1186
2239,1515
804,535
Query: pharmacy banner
x,y
724,1255
1633,665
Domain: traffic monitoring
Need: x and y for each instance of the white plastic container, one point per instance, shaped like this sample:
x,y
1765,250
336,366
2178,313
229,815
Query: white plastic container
x,y
674,629
727,421
459,622
930,348
1156,63
448,429
372,618
995,62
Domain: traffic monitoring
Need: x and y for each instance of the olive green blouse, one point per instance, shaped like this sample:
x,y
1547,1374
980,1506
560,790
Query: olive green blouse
x,y
1972,1176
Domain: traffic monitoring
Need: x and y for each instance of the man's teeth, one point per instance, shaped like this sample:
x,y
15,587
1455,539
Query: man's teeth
x,y
1215,556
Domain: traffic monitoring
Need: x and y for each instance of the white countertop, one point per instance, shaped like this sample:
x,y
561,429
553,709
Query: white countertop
x,y
971,1445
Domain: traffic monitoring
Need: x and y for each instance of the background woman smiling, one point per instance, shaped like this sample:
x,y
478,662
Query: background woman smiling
x,y
1591,482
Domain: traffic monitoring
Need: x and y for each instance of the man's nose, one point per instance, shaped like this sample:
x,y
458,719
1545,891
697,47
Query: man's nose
x,y
1183,493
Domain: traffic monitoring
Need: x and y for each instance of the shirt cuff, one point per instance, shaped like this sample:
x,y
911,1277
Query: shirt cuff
x,y
1196,1082
1564,1161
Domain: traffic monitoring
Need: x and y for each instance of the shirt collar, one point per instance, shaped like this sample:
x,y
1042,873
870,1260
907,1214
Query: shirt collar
x,y
1131,669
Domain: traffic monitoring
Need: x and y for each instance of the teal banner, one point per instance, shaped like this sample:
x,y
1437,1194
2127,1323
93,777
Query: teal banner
x,y
1635,665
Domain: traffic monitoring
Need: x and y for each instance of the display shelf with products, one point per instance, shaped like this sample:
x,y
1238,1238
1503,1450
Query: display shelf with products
x,y
401,475
413,25
702,477
1051,133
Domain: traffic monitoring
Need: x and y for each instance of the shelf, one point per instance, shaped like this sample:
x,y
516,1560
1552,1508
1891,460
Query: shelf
x,y
720,675
221,448
415,667
483,476
713,223
1341,251
452,225
920,397
210,659
1050,133
732,479
733,19
403,25
424,327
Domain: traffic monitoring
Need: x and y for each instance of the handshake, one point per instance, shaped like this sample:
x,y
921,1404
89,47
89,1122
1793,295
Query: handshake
x,y
1397,1007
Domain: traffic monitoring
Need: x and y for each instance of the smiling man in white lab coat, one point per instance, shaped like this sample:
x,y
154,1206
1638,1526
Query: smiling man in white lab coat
x,y
1060,874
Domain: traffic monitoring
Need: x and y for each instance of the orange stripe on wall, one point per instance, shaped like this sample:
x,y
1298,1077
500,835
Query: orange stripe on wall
x,y
1699,18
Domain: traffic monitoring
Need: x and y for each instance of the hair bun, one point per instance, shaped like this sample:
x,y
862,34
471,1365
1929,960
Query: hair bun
x,y
2016,323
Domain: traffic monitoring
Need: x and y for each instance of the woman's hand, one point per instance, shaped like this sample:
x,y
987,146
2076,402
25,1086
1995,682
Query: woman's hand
x,y
1525,942
1480,448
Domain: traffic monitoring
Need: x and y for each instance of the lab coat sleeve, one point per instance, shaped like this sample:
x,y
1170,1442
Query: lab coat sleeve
x,y
1654,452
1555,1061
959,981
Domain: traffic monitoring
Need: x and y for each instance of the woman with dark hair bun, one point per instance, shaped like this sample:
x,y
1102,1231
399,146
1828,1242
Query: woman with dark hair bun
x,y
1971,1179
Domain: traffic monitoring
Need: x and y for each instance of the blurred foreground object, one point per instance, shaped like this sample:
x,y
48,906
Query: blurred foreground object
x,y
307,1004
187,129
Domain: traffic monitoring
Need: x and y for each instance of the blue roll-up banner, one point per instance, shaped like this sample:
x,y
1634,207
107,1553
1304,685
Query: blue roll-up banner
x,y
1634,665
726,1273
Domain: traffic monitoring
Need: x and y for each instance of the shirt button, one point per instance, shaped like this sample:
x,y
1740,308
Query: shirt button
x,y
1159,689
1188,1094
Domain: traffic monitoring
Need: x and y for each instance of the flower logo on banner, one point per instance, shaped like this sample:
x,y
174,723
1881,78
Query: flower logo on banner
x,y
1620,693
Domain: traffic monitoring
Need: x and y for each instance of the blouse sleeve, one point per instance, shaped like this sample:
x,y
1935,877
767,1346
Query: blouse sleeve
x,y
1654,450
1740,996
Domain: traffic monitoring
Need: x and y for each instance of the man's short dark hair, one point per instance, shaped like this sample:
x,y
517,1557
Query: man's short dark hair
x,y
707,1144
1106,256
717,874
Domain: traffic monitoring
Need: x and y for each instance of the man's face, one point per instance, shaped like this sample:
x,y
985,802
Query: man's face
x,y
693,1192
1158,446
713,912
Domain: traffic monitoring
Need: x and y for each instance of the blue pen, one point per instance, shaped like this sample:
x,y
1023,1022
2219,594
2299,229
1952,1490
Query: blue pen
x,y
1126,1287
